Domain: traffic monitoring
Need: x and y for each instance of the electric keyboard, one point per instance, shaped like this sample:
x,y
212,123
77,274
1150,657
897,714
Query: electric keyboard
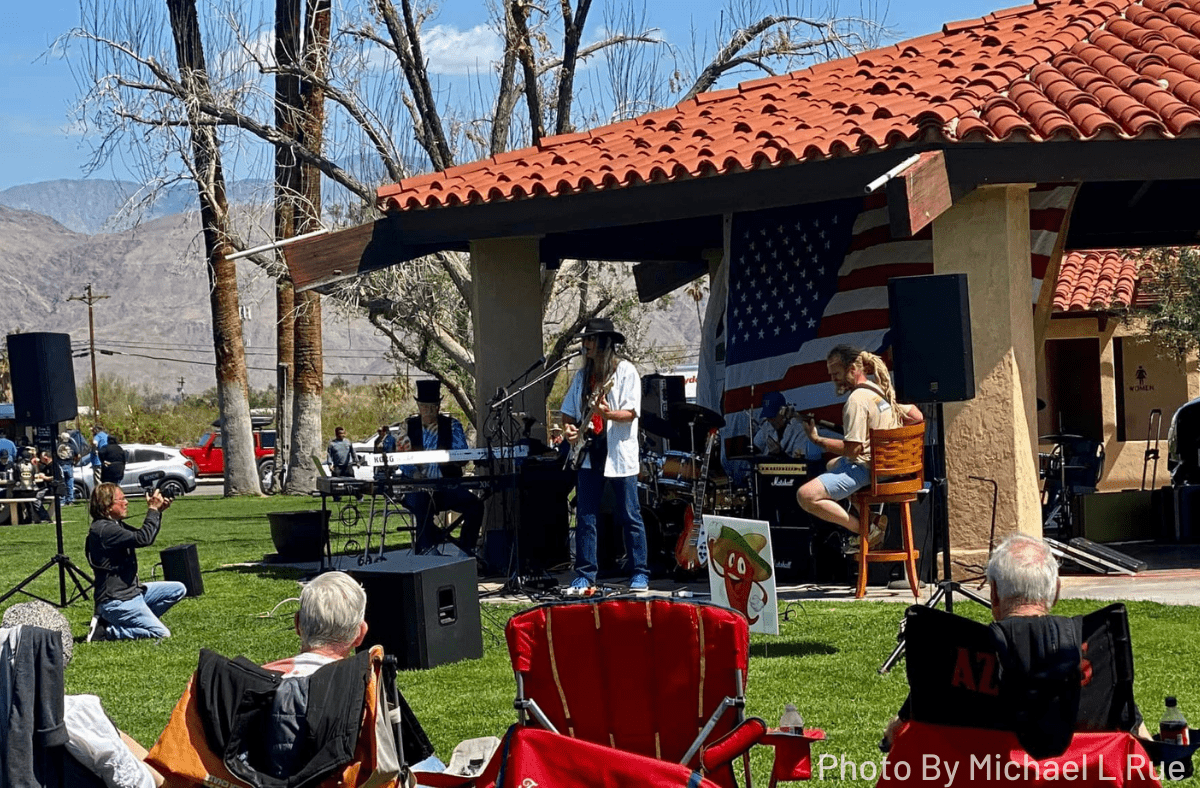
x,y
399,485
438,456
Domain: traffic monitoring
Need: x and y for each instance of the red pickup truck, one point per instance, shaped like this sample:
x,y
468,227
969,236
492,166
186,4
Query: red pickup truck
x,y
209,456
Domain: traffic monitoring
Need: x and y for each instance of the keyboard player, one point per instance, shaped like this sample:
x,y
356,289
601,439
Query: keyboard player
x,y
429,430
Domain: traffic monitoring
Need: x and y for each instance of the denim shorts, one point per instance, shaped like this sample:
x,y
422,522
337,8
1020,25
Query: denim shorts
x,y
845,478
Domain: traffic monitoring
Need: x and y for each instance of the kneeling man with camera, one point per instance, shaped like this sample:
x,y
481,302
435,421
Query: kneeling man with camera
x,y
125,608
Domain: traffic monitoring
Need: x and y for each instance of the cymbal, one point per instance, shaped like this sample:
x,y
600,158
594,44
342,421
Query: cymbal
x,y
1059,438
688,413
657,425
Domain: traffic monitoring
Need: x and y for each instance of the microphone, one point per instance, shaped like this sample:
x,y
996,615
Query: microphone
x,y
576,352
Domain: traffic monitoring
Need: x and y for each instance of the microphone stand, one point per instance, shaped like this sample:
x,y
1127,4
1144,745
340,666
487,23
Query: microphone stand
x,y
501,413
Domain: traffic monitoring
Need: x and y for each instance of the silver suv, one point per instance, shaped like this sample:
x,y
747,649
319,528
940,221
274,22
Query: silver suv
x,y
142,458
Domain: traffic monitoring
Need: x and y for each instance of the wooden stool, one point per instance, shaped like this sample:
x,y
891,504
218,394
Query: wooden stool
x,y
897,475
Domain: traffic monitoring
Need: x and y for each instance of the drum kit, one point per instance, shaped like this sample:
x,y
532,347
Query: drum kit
x,y
673,483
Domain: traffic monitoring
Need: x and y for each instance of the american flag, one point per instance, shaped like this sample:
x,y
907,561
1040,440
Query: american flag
x,y
804,279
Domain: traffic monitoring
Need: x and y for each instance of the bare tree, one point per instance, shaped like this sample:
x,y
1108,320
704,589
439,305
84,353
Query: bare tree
x,y
389,119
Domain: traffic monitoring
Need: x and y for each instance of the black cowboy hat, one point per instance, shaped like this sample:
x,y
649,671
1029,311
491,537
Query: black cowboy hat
x,y
429,391
599,326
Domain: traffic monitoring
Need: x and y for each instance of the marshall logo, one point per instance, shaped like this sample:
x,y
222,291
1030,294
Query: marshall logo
x,y
783,481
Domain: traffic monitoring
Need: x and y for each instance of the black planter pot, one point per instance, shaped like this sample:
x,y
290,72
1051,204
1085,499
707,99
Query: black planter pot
x,y
299,536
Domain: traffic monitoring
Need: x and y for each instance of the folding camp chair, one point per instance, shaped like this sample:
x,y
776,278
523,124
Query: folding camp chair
x,y
658,678
965,704
224,730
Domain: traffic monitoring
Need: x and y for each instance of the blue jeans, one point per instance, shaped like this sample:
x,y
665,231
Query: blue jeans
x,y
626,512
136,618
68,475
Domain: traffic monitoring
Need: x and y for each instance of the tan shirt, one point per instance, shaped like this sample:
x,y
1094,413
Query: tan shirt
x,y
866,410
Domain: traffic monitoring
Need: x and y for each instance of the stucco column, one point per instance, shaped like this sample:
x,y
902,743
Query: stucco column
x,y
506,292
986,236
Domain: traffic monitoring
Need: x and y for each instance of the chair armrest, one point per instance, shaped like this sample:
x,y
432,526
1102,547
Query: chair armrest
x,y
793,754
733,744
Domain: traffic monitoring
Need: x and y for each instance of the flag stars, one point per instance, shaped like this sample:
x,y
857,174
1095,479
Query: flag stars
x,y
810,285
811,322
777,329
762,334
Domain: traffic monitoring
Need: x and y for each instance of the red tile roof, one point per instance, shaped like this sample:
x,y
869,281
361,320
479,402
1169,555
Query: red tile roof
x,y
1057,69
1099,281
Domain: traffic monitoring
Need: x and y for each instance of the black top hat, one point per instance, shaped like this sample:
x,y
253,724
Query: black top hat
x,y
429,391
599,326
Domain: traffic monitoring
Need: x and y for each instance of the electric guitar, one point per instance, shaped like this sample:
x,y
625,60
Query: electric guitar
x,y
691,552
590,425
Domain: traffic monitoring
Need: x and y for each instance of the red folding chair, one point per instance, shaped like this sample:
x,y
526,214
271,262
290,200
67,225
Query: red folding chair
x,y
658,678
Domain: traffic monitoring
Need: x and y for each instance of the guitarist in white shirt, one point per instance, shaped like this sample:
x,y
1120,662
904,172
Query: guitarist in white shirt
x,y
600,414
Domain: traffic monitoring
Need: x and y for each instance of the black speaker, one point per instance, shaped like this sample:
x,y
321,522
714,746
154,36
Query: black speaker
x,y
659,393
543,525
423,609
43,377
182,563
931,338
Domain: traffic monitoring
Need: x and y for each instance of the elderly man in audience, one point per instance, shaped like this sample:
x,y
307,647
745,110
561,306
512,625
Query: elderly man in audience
x,y
330,624
1023,579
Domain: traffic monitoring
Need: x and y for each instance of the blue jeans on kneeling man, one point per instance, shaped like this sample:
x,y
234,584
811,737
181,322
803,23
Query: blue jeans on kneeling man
x,y
132,619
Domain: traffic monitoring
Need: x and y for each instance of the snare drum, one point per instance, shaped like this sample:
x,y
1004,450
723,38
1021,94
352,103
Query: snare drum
x,y
649,468
680,466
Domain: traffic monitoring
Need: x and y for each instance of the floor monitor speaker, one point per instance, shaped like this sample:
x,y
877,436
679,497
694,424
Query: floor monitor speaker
x,y
182,564
43,377
424,609
932,358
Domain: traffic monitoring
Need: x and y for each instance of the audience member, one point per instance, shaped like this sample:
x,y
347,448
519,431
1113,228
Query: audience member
x,y
126,609
330,624
1023,580
67,456
6,445
112,461
99,440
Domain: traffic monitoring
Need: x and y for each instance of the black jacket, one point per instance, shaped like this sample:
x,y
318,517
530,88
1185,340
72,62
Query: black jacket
x,y
110,550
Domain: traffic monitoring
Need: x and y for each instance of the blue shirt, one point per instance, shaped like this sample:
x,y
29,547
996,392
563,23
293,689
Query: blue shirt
x,y
5,443
99,441
429,441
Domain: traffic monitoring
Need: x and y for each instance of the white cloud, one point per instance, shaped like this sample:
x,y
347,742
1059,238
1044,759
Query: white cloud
x,y
453,51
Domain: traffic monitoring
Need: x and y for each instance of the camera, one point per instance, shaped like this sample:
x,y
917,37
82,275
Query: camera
x,y
150,480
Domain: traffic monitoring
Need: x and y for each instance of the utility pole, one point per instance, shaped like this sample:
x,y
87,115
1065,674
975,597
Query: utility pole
x,y
89,298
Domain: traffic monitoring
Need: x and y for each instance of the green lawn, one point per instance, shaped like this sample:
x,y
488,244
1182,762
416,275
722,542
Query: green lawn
x,y
824,661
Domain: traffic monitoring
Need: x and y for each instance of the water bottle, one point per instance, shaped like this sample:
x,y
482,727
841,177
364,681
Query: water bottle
x,y
1173,728
791,721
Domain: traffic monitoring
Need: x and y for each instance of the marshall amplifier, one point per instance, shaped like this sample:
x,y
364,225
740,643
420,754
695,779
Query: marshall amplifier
x,y
775,485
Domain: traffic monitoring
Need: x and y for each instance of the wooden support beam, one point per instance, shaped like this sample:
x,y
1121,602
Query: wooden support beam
x,y
918,195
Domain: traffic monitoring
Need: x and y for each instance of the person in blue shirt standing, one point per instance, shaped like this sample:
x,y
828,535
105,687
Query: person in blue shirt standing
x,y
99,441
431,429
7,445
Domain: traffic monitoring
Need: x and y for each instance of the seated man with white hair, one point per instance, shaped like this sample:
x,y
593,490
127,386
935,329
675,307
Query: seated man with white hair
x,y
330,624
1022,575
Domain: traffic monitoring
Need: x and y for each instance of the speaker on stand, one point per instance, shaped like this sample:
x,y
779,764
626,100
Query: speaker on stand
x,y
43,379
933,362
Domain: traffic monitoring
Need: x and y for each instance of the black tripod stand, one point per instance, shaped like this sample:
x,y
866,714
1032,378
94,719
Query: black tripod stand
x,y
65,567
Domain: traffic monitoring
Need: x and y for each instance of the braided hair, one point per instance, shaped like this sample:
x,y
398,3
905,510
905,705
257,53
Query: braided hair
x,y
872,365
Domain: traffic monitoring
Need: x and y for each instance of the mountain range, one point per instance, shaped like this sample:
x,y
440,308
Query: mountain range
x,y
153,326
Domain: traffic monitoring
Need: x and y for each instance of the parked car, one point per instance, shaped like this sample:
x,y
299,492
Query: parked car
x,y
142,458
367,444
208,454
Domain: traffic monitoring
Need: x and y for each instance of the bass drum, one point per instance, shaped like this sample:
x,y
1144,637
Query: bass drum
x,y
664,526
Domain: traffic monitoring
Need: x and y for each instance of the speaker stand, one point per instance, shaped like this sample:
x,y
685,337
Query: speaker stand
x,y
65,567
945,589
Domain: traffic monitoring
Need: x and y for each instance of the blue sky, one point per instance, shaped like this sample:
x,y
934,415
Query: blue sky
x,y
37,89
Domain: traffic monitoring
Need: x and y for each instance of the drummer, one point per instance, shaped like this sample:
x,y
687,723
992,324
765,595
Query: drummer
x,y
782,431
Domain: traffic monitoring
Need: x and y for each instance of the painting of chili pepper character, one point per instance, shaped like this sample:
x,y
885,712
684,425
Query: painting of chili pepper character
x,y
740,568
